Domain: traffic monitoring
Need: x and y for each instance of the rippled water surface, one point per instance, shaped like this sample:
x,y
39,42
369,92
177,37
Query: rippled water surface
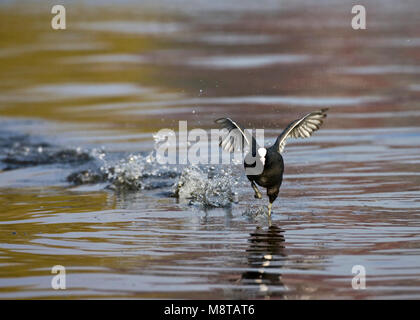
x,y
80,185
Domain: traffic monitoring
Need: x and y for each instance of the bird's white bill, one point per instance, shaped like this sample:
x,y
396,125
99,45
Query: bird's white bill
x,y
262,152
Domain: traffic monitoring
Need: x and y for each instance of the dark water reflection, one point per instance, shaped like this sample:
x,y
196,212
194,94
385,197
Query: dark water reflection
x,y
79,186
266,254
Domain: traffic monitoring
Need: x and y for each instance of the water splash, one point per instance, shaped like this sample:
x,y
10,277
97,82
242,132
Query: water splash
x,y
86,177
139,171
256,213
206,187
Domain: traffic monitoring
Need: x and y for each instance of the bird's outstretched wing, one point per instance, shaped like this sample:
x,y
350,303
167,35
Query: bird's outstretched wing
x,y
236,138
301,128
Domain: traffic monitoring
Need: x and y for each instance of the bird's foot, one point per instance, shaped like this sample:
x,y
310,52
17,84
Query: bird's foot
x,y
257,196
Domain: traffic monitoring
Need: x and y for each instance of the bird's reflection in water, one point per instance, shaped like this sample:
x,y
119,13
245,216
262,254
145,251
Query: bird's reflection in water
x,y
266,257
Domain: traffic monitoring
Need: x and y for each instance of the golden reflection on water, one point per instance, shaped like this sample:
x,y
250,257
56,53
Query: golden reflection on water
x,y
39,79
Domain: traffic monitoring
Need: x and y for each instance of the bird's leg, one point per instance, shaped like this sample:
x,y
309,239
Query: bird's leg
x,y
272,195
257,192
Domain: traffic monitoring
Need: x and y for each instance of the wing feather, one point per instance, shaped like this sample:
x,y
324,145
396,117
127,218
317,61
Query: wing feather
x,y
301,128
234,135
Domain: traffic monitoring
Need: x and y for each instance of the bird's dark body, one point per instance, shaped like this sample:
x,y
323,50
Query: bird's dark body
x,y
272,175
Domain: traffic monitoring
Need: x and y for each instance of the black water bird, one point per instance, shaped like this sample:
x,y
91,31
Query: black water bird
x,y
264,166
